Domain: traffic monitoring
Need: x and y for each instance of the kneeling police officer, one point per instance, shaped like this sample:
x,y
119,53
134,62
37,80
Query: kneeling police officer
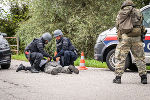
x,y
35,52
66,51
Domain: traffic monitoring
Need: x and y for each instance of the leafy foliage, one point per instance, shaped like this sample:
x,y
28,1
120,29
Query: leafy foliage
x,y
80,20
141,3
10,21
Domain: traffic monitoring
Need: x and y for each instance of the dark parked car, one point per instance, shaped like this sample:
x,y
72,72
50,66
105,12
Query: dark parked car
x,y
107,41
5,52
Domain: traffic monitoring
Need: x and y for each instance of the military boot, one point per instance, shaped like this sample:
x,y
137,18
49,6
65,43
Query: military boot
x,y
144,79
68,71
21,67
73,69
117,80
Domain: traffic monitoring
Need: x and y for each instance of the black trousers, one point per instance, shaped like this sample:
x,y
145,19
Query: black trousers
x,y
68,58
35,59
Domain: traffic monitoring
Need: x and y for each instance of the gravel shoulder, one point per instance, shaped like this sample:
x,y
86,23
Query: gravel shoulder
x,y
91,84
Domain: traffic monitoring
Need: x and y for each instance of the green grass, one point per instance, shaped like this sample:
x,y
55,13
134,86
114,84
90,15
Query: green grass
x,y
19,57
91,63
148,67
88,63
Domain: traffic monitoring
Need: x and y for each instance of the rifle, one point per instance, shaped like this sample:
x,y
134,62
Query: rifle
x,y
143,31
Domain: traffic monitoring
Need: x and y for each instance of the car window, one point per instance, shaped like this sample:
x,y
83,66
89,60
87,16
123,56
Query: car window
x,y
146,15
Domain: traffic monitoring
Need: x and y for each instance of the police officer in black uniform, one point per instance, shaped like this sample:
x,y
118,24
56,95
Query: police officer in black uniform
x,y
35,52
66,51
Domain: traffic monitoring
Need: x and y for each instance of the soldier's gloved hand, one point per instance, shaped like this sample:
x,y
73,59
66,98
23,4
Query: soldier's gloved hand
x,y
54,58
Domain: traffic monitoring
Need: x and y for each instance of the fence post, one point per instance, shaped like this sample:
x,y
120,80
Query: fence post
x,y
16,45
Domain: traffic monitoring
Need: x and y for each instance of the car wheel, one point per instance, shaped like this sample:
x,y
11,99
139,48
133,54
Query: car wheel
x,y
6,66
110,60
133,67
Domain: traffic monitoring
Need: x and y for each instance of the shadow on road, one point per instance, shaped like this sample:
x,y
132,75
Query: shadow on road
x,y
148,71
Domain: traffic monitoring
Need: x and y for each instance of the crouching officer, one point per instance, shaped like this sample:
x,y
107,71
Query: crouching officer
x,y
35,52
66,51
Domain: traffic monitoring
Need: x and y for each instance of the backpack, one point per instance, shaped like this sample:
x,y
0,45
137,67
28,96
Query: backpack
x,y
125,21
129,17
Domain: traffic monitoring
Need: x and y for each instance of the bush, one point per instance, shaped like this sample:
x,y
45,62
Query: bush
x,y
80,20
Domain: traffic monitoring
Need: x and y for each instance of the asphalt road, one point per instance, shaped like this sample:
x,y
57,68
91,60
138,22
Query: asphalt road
x,y
91,84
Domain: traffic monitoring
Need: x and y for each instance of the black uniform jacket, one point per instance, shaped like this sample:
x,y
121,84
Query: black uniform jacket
x,y
37,45
62,45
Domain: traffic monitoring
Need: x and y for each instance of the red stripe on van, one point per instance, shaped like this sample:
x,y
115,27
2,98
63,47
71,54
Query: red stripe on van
x,y
147,37
110,38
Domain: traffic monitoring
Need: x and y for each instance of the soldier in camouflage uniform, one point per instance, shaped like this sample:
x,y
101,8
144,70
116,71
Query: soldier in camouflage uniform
x,y
130,41
54,68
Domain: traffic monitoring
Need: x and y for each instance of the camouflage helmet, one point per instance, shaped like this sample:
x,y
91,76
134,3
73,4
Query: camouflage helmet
x,y
47,36
58,33
127,3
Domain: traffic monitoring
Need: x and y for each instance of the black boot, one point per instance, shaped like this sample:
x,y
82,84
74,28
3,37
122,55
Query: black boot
x,y
68,71
117,80
73,69
144,79
21,67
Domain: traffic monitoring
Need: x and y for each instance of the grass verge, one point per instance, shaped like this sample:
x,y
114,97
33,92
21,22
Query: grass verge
x,y
19,57
88,63
91,63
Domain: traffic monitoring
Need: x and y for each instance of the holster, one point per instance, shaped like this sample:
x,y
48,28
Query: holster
x,y
28,54
119,35
143,32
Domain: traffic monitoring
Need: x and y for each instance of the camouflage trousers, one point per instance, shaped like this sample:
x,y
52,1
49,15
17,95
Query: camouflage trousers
x,y
125,45
54,66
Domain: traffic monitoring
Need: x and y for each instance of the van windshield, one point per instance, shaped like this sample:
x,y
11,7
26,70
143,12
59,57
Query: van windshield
x,y
146,15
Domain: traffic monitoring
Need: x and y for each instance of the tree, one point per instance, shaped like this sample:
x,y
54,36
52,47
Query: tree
x,y
16,14
80,20
141,3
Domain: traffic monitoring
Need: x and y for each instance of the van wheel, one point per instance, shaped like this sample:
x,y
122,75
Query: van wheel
x,y
110,60
6,66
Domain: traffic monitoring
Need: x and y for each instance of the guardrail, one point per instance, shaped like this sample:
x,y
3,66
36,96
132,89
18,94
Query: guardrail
x,y
14,45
